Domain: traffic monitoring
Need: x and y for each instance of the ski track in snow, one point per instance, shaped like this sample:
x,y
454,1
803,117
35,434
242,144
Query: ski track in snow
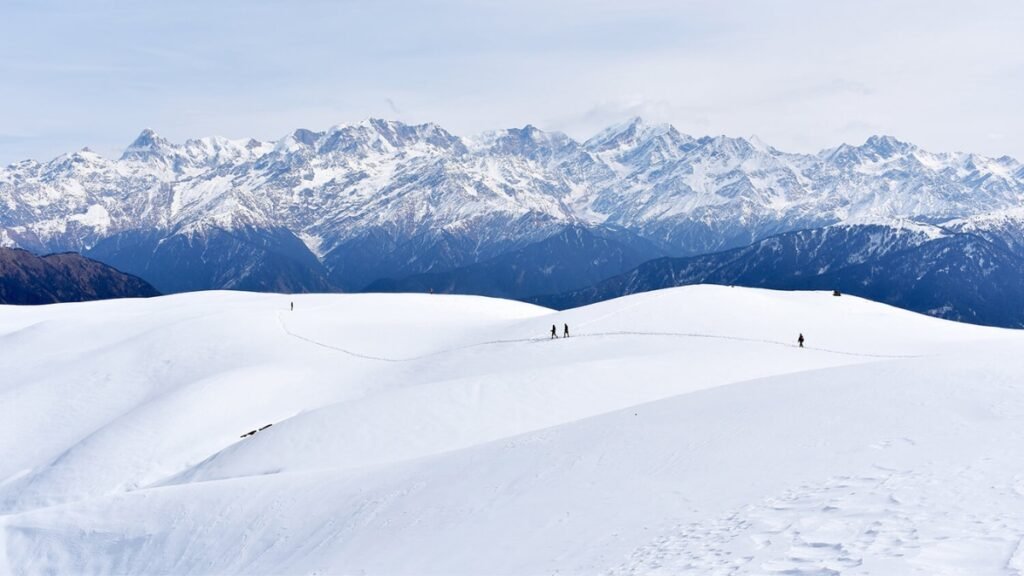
x,y
618,451
386,359
612,333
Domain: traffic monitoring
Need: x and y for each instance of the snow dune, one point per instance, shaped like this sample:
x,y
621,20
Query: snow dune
x,y
678,431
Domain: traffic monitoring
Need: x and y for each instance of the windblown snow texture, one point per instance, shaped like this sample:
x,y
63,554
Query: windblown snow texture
x,y
677,431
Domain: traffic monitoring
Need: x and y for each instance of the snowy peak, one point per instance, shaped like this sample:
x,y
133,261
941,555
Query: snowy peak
x,y
636,145
875,149
148,138
299,140
400,135
630,134
306,137
886,146
394,182
728,147
529,142
216,150
374,137
76,164
157,156
760,145
146,146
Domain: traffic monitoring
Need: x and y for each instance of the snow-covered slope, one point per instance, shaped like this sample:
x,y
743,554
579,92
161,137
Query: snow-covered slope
x,y
678,430
382,199
1002,227
969,271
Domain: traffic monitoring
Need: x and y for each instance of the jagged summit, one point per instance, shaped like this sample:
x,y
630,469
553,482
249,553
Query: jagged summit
x,y
148,143
628,133
886,146
147,137
528,142
307,137
759,144
381,198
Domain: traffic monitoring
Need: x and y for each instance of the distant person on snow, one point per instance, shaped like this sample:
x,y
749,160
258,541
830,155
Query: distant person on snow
x,y
293,306
800,340
554,332
566,332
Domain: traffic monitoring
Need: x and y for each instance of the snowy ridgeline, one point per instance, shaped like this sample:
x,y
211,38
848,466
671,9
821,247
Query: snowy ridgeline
x,y
522,213
678,431
319,199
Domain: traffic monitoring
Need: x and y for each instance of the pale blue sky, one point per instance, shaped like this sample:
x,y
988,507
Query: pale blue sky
x,y
801,74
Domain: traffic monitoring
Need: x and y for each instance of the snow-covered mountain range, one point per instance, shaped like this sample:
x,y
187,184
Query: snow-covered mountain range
x,y
380,199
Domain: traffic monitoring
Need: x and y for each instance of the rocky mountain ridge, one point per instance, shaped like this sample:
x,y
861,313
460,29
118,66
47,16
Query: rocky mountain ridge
x,y
354,204
29,279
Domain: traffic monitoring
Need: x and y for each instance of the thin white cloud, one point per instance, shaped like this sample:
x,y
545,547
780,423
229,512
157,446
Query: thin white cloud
x,y
802,74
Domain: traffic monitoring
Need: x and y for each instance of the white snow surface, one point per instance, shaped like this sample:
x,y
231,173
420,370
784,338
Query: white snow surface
x,y
676,432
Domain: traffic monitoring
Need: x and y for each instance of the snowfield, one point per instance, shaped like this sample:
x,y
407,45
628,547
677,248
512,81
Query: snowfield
x,y
676,432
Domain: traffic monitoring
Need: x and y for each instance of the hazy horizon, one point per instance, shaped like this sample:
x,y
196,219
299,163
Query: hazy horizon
x,y
799,75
